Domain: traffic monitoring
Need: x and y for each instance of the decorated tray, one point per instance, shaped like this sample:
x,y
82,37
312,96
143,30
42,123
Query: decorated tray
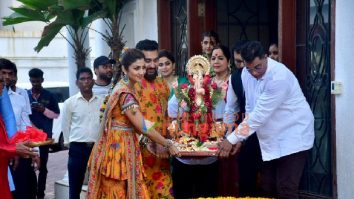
x,y
41,143
189,146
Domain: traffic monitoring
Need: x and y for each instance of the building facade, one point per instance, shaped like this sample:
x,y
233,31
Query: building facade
x,y
315,43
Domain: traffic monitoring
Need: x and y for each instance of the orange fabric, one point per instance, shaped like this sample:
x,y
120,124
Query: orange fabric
x,y
116,156
153,97
158,172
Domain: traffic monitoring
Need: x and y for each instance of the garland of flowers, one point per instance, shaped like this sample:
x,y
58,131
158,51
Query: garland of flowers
x,y
104,104
186,94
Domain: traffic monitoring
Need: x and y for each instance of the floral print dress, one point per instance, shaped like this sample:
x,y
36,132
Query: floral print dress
x,y
116,166
153,98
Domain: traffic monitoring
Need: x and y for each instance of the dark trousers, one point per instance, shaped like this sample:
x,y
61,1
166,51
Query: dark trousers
x,y
229,176
25,180
43,171
250,163
281,177
79,154
193,181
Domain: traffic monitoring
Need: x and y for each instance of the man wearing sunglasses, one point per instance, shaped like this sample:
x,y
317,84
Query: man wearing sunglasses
x,y
277,110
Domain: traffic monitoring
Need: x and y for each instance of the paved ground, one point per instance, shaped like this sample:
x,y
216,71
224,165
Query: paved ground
x,y
57,165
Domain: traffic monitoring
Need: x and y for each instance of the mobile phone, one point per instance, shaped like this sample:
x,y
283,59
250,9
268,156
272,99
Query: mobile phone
x,y
35,103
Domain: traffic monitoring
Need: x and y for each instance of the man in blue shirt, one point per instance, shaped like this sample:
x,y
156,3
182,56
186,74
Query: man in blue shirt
x,y
45,108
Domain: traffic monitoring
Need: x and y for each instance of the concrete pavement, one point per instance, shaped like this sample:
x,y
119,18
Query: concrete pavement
x,y
57,166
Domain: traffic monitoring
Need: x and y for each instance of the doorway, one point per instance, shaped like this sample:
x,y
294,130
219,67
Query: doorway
x,y
247,20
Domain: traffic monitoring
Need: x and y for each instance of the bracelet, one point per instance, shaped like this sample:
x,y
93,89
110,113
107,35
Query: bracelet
x,y
168,143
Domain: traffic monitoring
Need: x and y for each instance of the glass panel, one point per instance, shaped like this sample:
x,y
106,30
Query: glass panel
x,y
179,34
247,20
318,172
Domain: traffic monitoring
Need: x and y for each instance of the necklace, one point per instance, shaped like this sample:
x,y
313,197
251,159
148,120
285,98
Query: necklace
x,y
221,80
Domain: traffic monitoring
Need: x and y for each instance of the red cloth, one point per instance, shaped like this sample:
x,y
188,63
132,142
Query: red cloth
x,y
7,150
31,134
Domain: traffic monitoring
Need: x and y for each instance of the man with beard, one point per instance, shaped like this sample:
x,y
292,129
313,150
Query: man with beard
x,y
103,68
153,95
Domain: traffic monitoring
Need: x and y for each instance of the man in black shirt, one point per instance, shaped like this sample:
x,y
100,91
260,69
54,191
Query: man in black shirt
x,y
45,108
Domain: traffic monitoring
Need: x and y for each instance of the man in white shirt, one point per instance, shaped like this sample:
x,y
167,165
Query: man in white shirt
x,y
80,127
103,67
18,103
277,109
249,157
21,92
24,175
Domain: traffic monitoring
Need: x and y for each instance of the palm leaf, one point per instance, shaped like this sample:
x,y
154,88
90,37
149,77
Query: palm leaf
x,y
15,19
38,4
36,15
75,4
92,17
49,32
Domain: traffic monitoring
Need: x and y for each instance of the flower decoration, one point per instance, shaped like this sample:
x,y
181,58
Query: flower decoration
x,y
198,99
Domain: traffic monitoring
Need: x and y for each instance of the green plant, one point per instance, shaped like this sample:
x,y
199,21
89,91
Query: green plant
x,y
57,14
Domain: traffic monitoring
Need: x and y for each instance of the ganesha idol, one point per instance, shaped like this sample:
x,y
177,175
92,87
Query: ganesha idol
x,y
197,101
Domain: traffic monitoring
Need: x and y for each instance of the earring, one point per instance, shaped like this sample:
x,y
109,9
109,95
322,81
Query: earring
x,y
125,78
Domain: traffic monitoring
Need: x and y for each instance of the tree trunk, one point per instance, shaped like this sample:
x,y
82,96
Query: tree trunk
x,y
116,44
77,57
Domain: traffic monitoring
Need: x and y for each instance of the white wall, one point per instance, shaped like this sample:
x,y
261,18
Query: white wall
x,y
140,20
146,24
17,44
344,72
140,17
18,47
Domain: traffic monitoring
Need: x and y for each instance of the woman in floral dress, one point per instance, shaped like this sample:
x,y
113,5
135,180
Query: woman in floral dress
x,y
116,168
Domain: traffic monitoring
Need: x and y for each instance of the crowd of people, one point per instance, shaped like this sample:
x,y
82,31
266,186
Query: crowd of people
x,y
117,132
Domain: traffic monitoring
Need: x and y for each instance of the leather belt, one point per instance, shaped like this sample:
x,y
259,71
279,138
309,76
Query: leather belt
x,y
86,144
